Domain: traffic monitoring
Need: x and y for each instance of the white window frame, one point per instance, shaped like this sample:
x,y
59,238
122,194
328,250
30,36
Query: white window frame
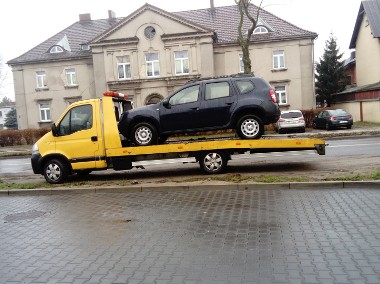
x,y
125,68
241,63
260,30
281,93
56,49
44,112
41,79
278,59
153,64
71,77
181,58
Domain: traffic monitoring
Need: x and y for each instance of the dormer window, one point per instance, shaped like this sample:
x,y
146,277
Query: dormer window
x,y
56,49
260,30
84,46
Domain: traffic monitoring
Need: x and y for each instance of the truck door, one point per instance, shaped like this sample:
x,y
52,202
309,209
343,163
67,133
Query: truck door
x,y
77,137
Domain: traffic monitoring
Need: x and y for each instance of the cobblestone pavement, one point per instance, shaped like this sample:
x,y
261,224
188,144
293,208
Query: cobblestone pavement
x,y
205,236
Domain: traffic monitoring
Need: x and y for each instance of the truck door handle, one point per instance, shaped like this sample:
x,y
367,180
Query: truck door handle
x,y
229,103
94,138
195,108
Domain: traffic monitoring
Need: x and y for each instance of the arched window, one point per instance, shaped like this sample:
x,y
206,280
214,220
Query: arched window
x,y
260,30
56,49
153,99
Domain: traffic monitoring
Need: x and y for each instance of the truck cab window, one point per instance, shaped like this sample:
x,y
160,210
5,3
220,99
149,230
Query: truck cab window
x,y
78,118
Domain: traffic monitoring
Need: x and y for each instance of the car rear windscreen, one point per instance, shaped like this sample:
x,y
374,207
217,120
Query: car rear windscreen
x,y
291,115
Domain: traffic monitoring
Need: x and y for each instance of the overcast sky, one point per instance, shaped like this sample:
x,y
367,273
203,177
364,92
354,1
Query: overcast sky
x,y
26,23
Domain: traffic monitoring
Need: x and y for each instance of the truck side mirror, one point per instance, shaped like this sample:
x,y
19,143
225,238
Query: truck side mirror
x,y
54,129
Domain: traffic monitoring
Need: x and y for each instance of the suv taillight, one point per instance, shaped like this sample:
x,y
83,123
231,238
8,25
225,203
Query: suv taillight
x,y
272,94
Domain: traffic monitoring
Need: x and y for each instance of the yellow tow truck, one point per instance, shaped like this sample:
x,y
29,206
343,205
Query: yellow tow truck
x,y
86,138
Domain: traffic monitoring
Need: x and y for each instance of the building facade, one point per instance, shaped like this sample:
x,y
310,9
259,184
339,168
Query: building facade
x,y
152,52
363,99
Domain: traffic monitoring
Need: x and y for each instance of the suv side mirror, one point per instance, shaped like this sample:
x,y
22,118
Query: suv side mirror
x,y
166,103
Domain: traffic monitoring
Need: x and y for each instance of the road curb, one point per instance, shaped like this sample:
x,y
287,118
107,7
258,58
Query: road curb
x,y
188,187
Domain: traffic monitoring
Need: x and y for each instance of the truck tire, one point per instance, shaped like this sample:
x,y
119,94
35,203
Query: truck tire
x,y
144,134
213,162
55,171
250,127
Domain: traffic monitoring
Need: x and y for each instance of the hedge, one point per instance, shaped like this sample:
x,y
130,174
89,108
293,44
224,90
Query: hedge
x,y
14,137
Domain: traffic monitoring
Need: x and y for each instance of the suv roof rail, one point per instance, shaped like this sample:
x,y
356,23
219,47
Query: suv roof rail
x,y
220,77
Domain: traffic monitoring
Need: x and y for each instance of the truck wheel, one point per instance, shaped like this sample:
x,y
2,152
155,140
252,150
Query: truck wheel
x,y
55,171
250,127
213,162
144,134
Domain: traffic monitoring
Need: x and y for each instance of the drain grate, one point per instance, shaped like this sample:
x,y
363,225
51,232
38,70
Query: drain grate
x,y
32,214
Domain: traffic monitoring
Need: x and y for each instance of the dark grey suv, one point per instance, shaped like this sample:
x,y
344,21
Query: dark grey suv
x,y
241,102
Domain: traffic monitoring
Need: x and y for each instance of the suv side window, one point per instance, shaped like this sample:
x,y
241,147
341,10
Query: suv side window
x,y
187,95
245,86
78,118
217,90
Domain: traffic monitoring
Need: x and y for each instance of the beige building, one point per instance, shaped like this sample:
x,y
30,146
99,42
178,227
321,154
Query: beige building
x,y
151,52
363,100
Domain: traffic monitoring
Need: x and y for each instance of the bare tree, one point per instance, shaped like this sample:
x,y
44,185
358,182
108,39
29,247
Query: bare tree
x,y
245,39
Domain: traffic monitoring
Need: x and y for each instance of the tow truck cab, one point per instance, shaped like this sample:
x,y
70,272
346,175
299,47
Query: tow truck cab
x,y
78,140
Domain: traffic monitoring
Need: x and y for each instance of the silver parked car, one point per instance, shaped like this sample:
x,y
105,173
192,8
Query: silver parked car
x,y
290,120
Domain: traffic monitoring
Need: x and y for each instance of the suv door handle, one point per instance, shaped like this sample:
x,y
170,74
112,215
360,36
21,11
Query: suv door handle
x,y
230,103
94,138
195,108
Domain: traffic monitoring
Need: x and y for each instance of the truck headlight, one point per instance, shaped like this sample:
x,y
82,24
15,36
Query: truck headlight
x,y
35,149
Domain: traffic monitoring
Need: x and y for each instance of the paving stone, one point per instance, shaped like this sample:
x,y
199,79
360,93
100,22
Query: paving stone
x,y
192,236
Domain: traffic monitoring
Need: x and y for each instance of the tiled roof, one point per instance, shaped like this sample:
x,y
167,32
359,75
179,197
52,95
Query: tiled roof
x,y
372,9
357,89
225,21
78,33
222,20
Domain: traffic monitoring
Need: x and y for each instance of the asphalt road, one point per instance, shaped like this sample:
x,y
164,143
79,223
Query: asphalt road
x,y
198,236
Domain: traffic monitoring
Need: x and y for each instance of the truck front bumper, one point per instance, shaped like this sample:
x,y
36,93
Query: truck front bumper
x,y
36,163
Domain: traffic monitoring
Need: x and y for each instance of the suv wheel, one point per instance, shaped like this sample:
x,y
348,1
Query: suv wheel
x,y
144,134
250,127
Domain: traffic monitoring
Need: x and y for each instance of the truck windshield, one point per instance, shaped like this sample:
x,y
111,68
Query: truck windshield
x,y
78,118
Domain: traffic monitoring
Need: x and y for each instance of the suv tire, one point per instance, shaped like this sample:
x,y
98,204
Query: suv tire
x,y
250,127
144,134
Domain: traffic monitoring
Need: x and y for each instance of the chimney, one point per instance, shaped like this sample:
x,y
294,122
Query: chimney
x,y
84,17
212,4
111,15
